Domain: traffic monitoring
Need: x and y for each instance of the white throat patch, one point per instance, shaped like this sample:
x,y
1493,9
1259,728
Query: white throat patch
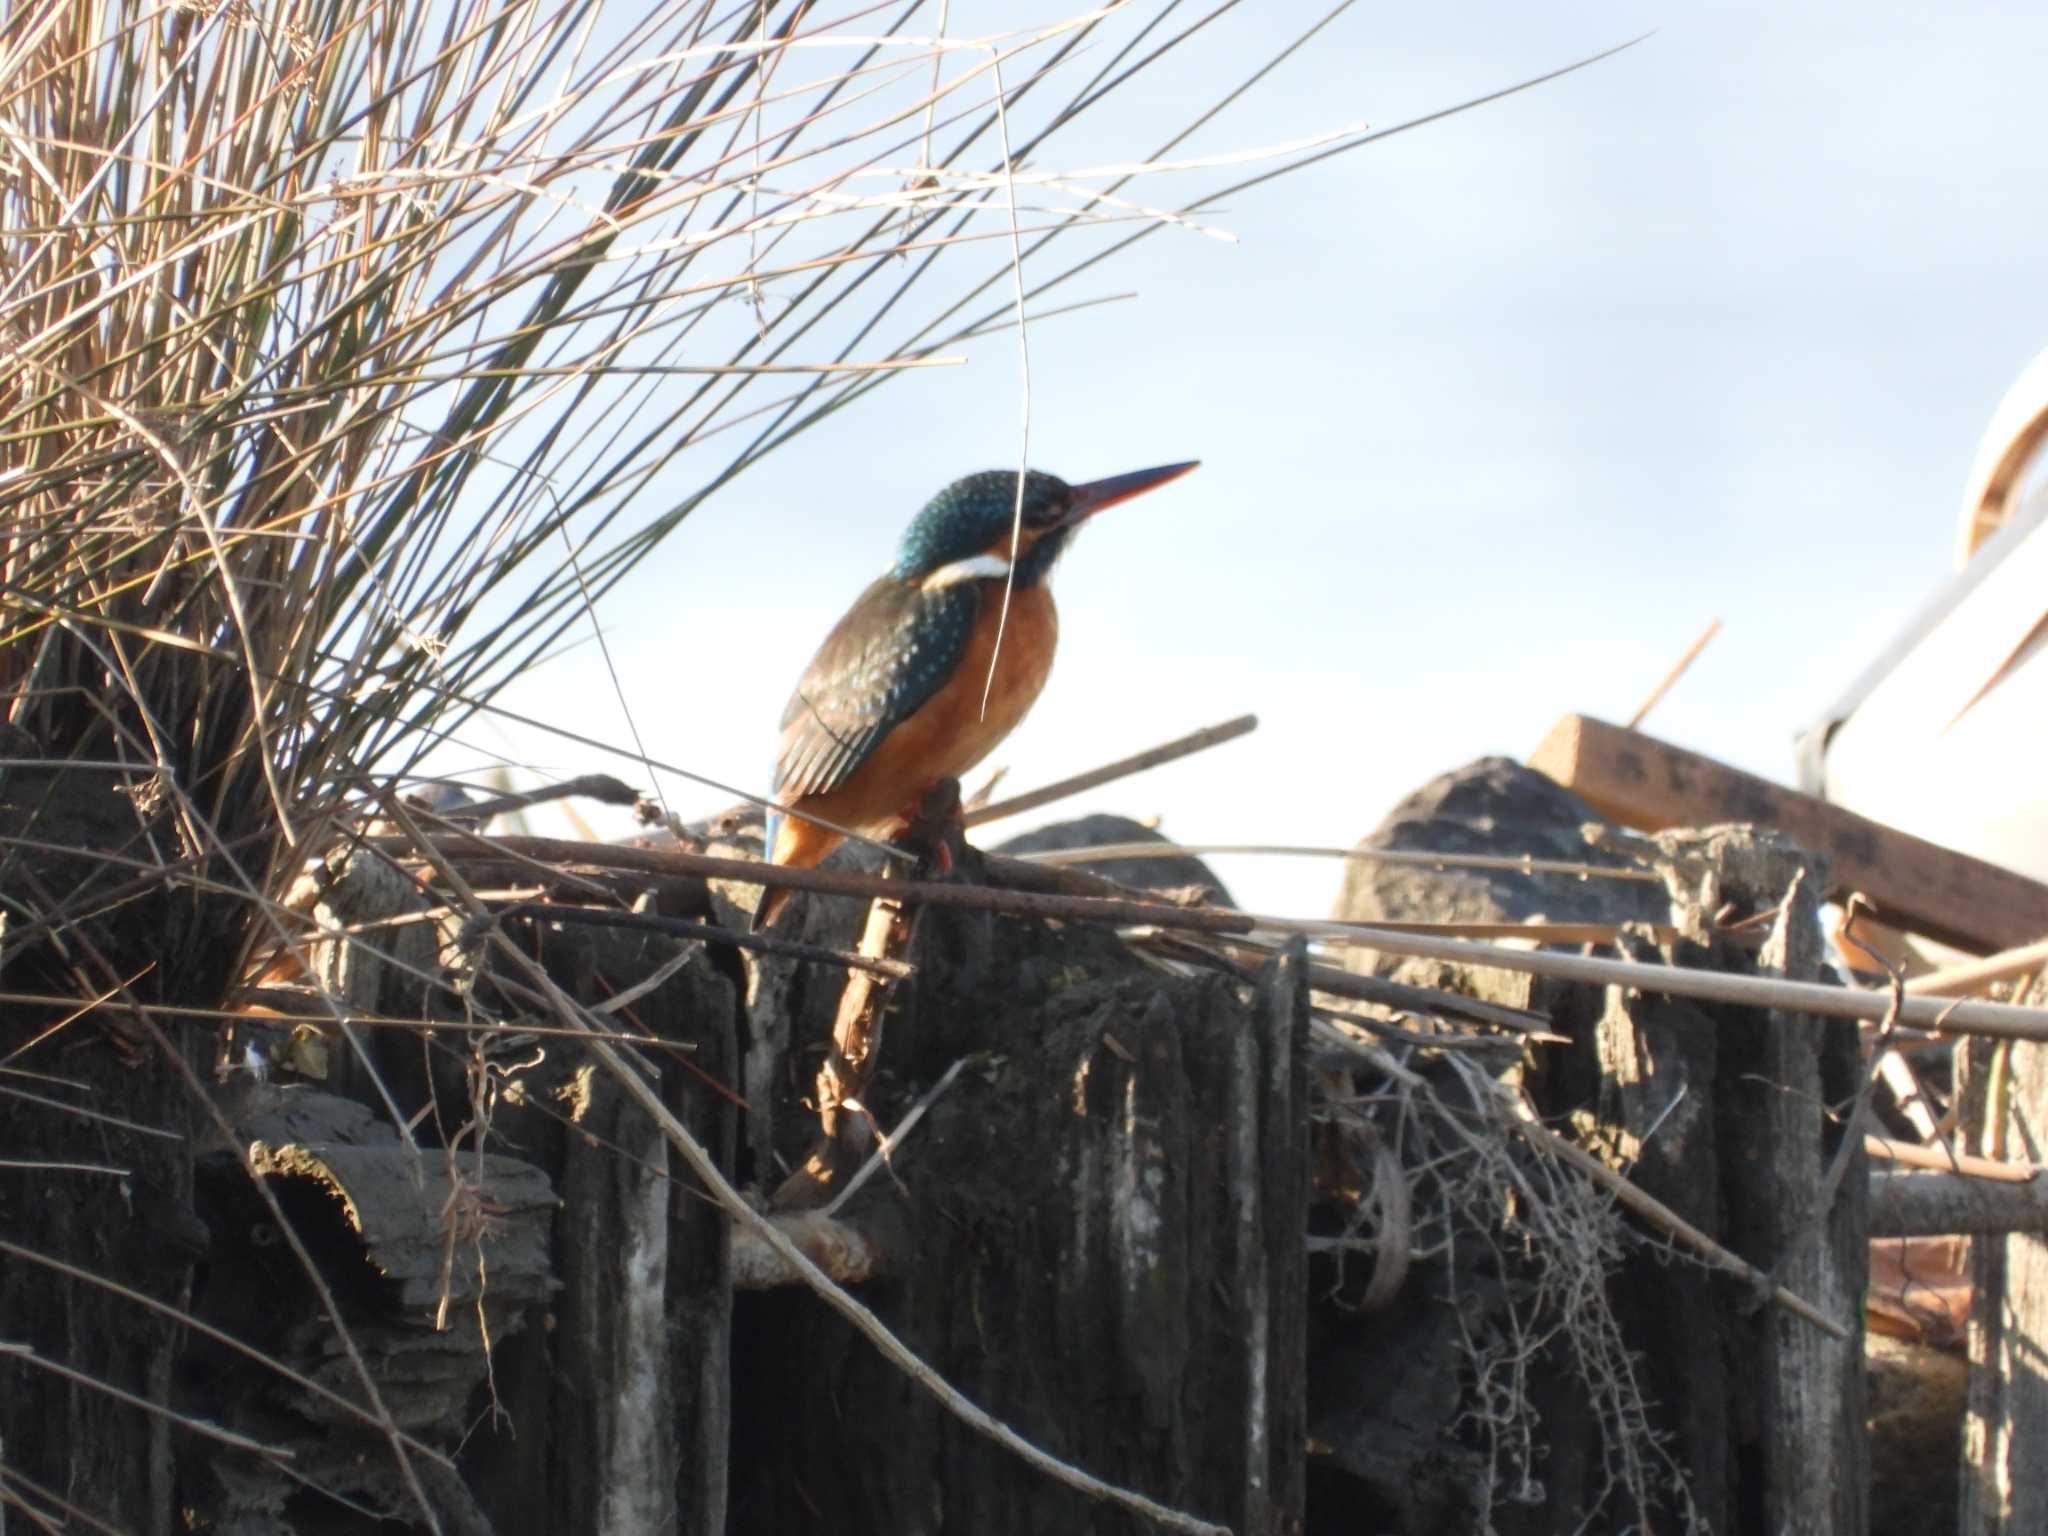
x,y
976,568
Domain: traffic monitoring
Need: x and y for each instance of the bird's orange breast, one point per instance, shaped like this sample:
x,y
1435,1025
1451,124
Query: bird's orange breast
x,y
949,734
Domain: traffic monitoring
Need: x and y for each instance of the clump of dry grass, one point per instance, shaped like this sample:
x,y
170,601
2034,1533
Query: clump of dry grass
x,y
1525,1251
338,339
341,345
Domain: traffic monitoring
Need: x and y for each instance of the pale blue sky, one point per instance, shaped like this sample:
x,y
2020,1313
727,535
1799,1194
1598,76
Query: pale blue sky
x,y
1495,415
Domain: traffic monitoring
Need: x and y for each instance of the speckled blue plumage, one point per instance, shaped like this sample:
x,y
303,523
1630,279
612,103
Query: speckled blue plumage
x,y
895,648
969,515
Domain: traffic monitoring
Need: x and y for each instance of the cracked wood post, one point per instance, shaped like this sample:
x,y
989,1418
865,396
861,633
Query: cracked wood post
x,y
2005,1474
620,1406
846,1135
1100,1235
1724,1111
1811,1238
1270,1164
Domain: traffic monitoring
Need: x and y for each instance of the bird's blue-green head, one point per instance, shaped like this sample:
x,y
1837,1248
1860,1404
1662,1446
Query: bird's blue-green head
x,y
973,529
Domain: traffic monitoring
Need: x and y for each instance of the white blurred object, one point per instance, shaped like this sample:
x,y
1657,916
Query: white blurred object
x,y
2003,457
1944,735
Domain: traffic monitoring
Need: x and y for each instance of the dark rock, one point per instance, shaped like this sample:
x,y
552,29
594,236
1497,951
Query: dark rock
x,y
1176,872
1493,806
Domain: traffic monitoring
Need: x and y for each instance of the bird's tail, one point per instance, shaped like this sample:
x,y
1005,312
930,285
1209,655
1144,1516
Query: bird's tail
x,y
773,897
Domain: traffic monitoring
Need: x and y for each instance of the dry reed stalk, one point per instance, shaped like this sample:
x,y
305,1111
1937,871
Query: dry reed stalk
x,y
1942,1158
2001,1020
1109,773
1975,976
1524,864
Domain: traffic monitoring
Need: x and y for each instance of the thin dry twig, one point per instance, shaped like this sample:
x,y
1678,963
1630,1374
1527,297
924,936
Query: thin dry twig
x,y
1526,864
887,1147
199,1325
40,1165
1009,165
273,1005
1109,773
1356,984
2000,1020
831,882
227,1437
713,933
1678,670
1945,1159
83,1113
601,787
1977,975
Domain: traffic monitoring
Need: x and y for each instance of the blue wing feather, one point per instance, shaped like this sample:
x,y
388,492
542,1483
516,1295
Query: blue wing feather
x,y
882,663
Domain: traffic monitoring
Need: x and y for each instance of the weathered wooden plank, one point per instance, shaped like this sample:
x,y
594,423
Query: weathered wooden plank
x,y
1098,1234
616,1414
1277,1417
114,1461
1650,784
2005,1476
1654,1108
1723,1113
610,1349
1815,1459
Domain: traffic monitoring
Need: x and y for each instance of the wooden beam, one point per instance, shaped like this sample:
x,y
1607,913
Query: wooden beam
x,y
1979,975
1917,885
1942,1204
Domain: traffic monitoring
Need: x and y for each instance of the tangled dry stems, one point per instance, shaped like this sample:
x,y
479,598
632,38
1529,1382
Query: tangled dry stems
x,y
1485,1203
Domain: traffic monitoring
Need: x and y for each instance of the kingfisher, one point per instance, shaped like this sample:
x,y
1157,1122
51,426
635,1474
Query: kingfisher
x,y
900,694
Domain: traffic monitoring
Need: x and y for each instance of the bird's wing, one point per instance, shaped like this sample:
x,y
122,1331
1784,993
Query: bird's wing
x,y
895,648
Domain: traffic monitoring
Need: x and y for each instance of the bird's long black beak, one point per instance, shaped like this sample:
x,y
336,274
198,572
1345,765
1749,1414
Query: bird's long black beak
x,y
1087,500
